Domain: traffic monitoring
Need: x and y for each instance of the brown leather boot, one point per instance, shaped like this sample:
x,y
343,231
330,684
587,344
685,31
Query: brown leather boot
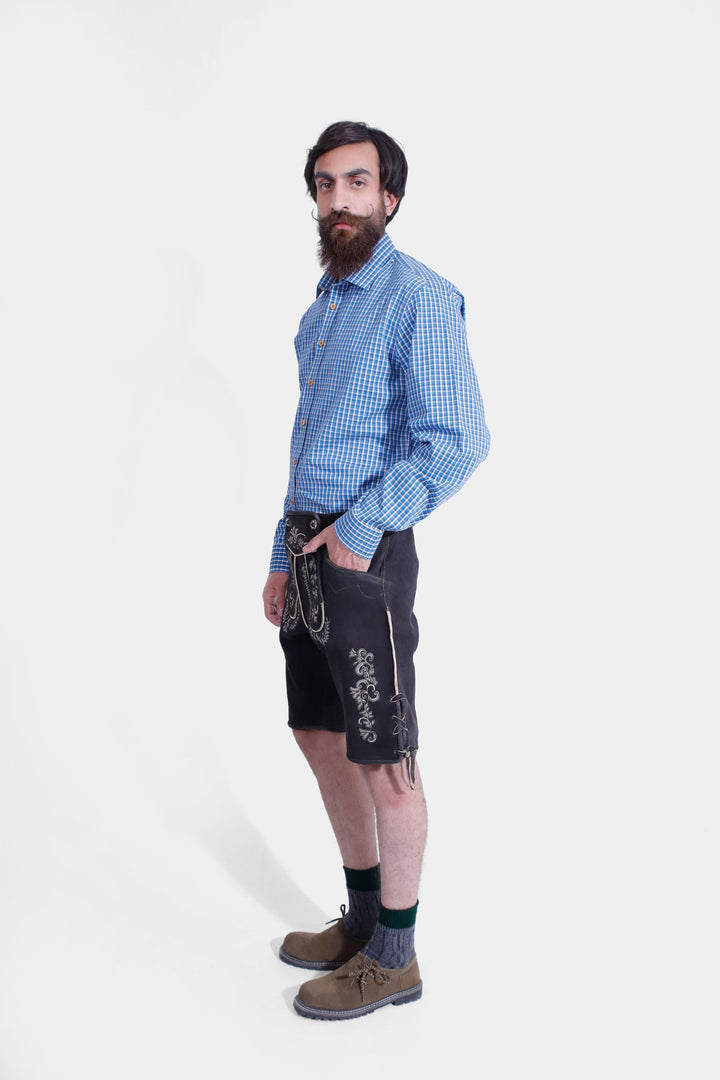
x,y
358,987
325,951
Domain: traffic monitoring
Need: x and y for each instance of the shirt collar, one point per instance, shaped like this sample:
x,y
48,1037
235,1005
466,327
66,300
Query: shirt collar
x,y
364,277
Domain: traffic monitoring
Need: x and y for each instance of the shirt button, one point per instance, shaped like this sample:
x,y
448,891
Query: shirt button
x,y
292,502
333,306
310,382
294,461
321,342
302,423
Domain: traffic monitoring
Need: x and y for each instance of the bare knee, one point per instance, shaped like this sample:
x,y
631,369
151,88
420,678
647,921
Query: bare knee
x,y
305,739
320,746
390,785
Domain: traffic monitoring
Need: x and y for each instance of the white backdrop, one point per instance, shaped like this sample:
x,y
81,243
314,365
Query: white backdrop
x,y
159,832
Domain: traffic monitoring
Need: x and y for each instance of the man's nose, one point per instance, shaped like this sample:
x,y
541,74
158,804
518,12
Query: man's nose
x,y
340,200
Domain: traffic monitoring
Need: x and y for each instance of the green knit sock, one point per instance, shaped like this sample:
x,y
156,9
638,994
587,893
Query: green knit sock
x,y
363,889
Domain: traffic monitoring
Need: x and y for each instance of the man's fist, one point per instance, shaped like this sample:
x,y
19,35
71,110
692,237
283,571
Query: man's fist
x,y
274,596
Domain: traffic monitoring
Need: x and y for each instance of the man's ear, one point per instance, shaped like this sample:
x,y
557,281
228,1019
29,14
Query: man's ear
x,y
391,202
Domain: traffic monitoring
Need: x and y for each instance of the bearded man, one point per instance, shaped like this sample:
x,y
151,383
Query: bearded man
x,y
389,424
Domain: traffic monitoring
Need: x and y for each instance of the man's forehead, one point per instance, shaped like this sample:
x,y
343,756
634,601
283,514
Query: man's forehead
x,y
346,159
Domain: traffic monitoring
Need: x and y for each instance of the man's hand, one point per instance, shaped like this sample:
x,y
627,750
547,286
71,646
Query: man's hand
x,y
274,595
337,552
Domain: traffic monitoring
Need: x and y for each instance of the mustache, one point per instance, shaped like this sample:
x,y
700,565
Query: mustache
x,y
342,217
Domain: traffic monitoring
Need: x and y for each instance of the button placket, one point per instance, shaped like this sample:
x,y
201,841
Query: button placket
x,y
305,404
306,396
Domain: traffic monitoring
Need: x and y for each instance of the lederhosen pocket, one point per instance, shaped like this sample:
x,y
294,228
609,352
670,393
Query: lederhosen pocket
x,y
305,603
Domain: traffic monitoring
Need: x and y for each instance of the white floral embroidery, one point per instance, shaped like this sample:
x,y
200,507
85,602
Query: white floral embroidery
x,y
364,691
305,569
294,541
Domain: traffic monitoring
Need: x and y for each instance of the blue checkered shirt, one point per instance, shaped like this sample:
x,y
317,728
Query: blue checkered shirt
x,y
390,421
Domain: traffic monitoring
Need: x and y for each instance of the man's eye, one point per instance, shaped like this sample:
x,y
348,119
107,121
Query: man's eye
x,y
358,183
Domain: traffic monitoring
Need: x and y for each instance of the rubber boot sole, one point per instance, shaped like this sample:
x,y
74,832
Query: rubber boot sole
x,y
401,997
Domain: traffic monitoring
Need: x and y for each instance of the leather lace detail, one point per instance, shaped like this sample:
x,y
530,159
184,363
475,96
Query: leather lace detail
x,y
366,969
341,916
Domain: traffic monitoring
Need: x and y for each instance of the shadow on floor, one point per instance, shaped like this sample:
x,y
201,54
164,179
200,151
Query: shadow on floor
x,y
239,846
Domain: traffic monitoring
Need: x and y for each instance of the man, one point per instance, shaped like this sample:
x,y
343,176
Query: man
x,y
389,424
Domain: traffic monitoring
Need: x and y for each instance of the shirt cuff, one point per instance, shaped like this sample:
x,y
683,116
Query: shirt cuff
x,y
278,558
360,538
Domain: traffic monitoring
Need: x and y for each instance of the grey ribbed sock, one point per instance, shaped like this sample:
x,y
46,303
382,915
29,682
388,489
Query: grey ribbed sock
x,y
393,945
363,889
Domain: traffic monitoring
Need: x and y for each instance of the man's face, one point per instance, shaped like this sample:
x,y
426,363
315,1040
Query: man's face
x,y
352,207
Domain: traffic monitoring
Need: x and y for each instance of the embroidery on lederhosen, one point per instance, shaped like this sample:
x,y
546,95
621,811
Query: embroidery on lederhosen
x,y
315,621
364,691
291,611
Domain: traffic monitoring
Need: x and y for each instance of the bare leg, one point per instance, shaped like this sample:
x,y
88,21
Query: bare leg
x,y
355,797
345,794
402,830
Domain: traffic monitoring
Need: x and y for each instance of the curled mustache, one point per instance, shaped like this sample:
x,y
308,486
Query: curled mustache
x,y
335,217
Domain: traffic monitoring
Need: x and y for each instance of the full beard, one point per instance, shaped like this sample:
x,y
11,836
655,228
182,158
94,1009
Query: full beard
x,y
342,253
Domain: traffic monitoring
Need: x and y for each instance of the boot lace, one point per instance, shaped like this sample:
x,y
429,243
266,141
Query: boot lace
x,y
341,916
366,969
